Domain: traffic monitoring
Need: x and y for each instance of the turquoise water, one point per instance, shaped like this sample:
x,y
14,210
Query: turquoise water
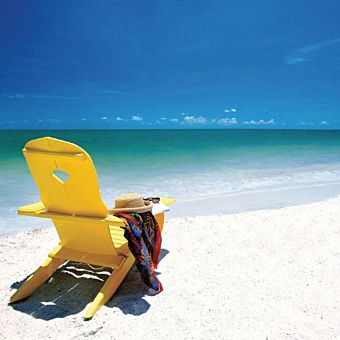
x,y
186,164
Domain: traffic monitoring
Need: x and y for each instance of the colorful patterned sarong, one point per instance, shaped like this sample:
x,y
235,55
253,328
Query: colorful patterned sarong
x,y
144,240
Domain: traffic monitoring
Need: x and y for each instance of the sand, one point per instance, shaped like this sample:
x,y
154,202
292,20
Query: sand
x,y
267,274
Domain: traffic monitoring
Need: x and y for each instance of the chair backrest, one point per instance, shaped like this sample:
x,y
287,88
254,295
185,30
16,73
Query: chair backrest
x,y
65,176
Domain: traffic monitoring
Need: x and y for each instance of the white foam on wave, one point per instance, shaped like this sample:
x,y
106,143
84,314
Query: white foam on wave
x,y
203,184
187,186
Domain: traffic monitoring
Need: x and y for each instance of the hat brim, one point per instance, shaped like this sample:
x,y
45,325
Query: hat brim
x,y
146,207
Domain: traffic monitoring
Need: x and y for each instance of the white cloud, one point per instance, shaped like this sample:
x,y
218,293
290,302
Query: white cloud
x,y
294,60
17,96
119,119
230,110
303,123
163,118
194,120
112,91
104,118
137,118
82,118
308,52
37,96
173,120
226,121
259,122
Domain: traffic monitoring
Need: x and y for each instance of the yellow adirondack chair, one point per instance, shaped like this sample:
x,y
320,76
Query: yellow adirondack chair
x,y
87,232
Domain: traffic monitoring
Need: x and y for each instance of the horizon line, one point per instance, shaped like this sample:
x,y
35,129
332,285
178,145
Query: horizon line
x,y
192,128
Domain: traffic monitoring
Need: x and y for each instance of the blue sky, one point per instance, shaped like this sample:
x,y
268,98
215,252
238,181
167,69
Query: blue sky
x,y
169,64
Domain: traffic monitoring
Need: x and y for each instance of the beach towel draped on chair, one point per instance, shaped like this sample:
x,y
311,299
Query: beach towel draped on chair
x,y
144,240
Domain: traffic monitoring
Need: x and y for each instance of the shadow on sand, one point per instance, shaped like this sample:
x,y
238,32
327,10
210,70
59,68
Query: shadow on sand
x,y
74,285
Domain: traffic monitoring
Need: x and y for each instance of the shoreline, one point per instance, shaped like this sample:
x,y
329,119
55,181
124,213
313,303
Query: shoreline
x,y
256,274
220,204
242,202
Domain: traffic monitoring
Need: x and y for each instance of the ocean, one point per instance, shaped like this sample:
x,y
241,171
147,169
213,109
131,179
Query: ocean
x,y
186,164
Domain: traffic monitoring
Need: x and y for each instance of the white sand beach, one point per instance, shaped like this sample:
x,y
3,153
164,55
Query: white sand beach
x,y
266,274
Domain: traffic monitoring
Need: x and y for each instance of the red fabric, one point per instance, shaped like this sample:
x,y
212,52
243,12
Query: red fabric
x,y
157,245
144,239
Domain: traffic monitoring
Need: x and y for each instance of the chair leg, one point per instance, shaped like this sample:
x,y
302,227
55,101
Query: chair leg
x,y
109,287
41,275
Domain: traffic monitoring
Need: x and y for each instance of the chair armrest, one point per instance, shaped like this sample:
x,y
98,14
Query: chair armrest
x,y
168,200
38,210
115,220
32,209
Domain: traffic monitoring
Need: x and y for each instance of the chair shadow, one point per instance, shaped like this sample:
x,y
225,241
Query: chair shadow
x,y
74,285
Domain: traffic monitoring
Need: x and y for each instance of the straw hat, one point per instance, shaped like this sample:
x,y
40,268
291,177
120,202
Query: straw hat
x,y
131,202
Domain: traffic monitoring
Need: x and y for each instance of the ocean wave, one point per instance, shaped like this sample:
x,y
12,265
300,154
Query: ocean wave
x,y
204,184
